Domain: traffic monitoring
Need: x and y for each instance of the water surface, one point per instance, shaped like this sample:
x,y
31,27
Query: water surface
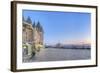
x,y
53,54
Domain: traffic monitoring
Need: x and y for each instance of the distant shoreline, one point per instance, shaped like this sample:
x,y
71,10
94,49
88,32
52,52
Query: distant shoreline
x,y
67,48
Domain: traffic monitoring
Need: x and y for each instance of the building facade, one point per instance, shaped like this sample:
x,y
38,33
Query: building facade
x,y
32,36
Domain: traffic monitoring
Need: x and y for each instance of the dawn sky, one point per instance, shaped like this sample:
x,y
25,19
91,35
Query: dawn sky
x,y
62,27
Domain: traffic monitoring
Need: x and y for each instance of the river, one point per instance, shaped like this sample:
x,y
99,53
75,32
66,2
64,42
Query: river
x,y
53,54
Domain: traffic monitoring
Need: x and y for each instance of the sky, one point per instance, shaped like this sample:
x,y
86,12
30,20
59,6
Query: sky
x,y
62,27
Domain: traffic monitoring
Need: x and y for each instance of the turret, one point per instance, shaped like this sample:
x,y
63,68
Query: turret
x,y
29,20
39,27
33,25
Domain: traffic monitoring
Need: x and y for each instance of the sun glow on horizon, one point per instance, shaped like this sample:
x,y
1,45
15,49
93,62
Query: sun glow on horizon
x,y
74,42
87,41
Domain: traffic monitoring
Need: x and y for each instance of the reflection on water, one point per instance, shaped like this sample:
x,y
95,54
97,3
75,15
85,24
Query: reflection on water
x,y
52,54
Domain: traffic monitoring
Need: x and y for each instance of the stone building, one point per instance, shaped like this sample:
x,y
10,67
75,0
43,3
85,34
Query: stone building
x,y
32,36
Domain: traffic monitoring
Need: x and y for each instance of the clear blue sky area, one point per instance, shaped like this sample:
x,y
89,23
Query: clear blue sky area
x,y
62,26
